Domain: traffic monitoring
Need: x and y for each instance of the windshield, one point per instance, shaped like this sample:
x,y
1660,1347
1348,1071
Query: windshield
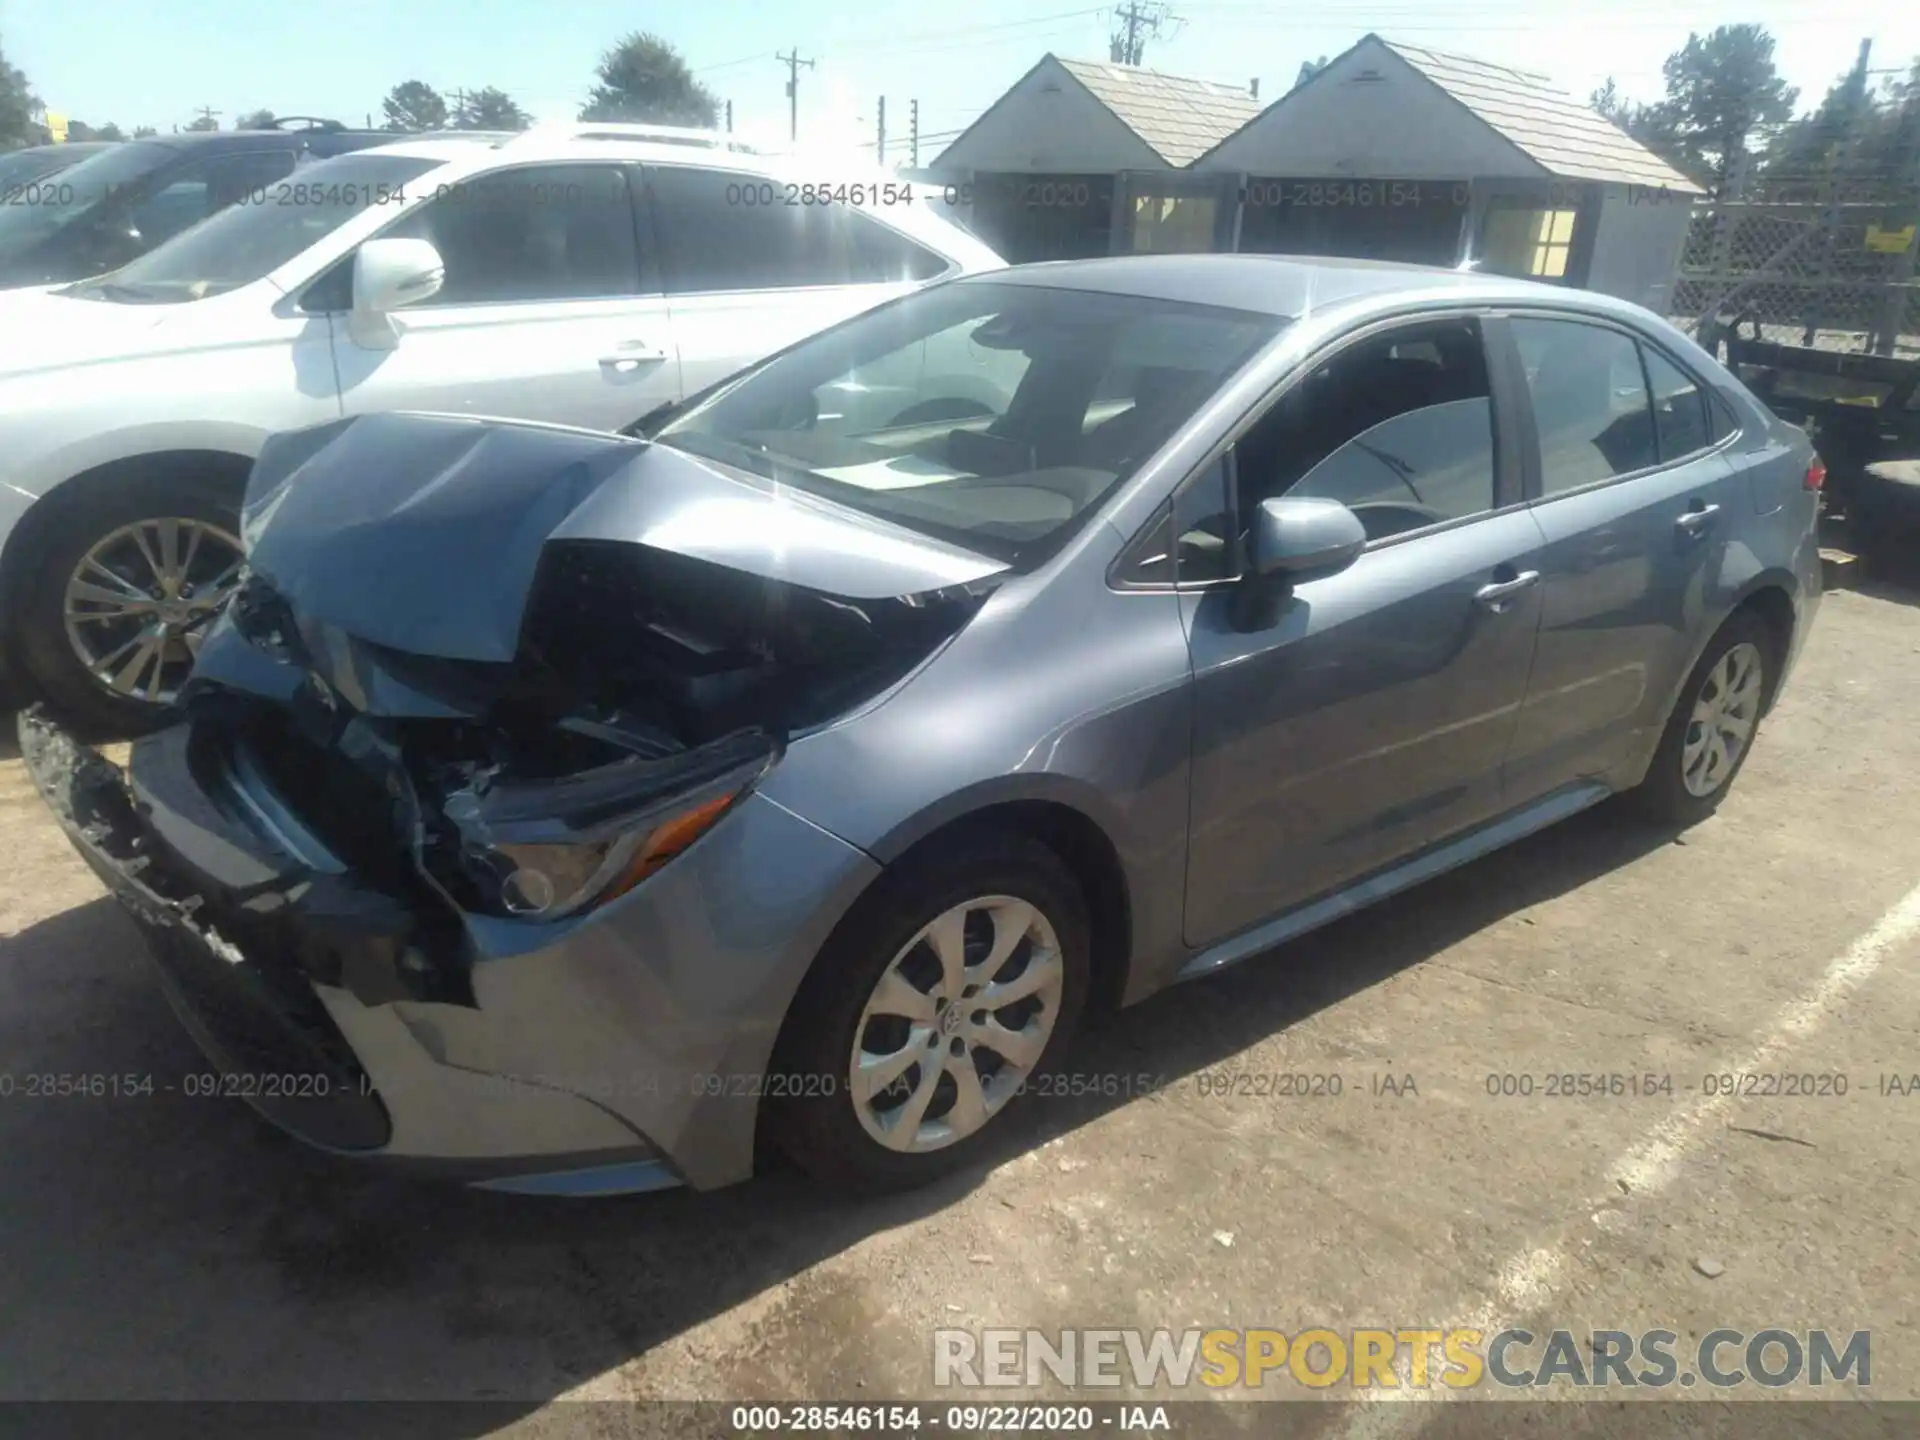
x,y
260,232
81,188
993,415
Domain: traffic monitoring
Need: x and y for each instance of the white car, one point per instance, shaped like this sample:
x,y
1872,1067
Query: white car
x,y
585,275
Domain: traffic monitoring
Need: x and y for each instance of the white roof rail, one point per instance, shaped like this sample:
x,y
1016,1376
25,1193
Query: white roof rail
x,y
646,134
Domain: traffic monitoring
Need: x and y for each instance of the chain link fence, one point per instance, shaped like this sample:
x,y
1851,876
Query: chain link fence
x,y
1825,272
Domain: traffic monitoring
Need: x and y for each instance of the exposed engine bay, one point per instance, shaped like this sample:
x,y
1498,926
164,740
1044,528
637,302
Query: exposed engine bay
x,y
645,690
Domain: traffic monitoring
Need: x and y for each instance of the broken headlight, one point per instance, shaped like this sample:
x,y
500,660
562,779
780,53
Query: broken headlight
x,y
547,850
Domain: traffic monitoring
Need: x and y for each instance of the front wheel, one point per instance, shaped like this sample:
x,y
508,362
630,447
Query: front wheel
x,y
1710,733
940,1001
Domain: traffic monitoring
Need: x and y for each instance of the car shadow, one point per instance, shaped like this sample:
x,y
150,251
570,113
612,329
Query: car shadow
x,y
236,1263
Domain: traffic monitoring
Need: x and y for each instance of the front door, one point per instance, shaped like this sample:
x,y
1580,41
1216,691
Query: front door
x,y
544,315
1372,717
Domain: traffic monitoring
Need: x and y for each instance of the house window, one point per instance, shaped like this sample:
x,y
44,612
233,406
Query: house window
x,y
1527,241
1173,224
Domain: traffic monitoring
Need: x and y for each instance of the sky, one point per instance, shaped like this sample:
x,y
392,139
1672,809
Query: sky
x,y
135,62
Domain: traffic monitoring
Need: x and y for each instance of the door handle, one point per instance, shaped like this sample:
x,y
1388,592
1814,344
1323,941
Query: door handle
x,y
1695,521
1498,595
631,356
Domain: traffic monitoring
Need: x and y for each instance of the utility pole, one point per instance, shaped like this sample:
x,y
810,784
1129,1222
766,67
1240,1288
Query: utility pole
x,y
880,143
793,62
729,117
459,106
207,112
913,133
1128,45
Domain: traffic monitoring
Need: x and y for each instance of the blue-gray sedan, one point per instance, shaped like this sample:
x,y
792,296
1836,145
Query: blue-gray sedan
x,y
563,811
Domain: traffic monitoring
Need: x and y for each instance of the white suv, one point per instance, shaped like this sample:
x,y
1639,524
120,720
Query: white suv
x,y
586,276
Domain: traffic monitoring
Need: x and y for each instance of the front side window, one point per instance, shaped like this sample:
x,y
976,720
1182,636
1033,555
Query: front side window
x,y
1589,398
724,230
261,231
1072,392
542,232
1398,427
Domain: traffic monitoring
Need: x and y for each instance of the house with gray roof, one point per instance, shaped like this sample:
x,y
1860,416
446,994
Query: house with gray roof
x,y
1389,151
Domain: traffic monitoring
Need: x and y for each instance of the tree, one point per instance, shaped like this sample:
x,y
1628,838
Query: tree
x,y
490,109
1720,91
109,132
144,132
17,105
644,78
414,105
255,120
1857,146
1651,125
203,122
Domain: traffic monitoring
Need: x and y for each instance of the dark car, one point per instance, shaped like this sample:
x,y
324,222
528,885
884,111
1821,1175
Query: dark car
x,y
23,173
117,204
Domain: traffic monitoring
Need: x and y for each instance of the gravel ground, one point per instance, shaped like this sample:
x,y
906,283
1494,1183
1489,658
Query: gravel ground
x,y
175,1247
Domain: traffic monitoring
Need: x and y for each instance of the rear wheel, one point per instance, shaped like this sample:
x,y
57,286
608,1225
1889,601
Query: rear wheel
x,y
934,1007
126,577
1710,733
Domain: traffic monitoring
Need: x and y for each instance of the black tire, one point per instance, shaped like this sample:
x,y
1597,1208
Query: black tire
x,y
1663,796
812,1117
75,522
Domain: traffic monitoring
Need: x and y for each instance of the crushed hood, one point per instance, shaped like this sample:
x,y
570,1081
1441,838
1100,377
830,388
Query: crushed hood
x,y
423,533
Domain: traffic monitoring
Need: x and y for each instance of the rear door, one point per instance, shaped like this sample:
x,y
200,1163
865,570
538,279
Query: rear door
x,y
1370,716
1636,501
550,310
751,264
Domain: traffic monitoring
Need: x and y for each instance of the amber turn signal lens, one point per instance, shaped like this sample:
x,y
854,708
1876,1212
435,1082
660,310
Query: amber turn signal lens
x,y
667,840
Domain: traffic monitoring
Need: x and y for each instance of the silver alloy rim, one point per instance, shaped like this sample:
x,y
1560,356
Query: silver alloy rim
x,y
959,1019
139,602
1724,714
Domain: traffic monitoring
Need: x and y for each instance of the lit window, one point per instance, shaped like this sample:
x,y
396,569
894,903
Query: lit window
x,y
1520,240
1552,238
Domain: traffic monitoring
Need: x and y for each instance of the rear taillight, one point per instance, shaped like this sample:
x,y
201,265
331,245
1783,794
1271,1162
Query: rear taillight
x,y
1816,473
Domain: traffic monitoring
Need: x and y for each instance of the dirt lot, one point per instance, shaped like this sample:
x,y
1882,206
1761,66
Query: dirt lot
x,y
176,1247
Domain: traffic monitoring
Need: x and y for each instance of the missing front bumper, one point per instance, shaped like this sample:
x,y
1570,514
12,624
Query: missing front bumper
x,y
265,1030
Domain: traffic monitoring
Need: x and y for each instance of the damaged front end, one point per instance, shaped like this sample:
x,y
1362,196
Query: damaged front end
x,y
483,680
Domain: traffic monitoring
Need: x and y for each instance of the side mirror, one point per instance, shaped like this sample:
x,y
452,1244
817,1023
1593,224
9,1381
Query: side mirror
x,y
389,274
1300,539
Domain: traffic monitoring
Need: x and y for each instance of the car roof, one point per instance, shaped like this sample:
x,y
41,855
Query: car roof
x,y
76,149
1287,286
316,137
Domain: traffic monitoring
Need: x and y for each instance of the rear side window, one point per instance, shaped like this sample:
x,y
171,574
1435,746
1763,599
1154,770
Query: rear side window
x,y
721,230
1590,406
1680,418
543,232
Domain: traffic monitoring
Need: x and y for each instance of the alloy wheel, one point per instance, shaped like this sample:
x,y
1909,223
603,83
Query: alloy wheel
x,y
957,1022
139,602
1721,726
